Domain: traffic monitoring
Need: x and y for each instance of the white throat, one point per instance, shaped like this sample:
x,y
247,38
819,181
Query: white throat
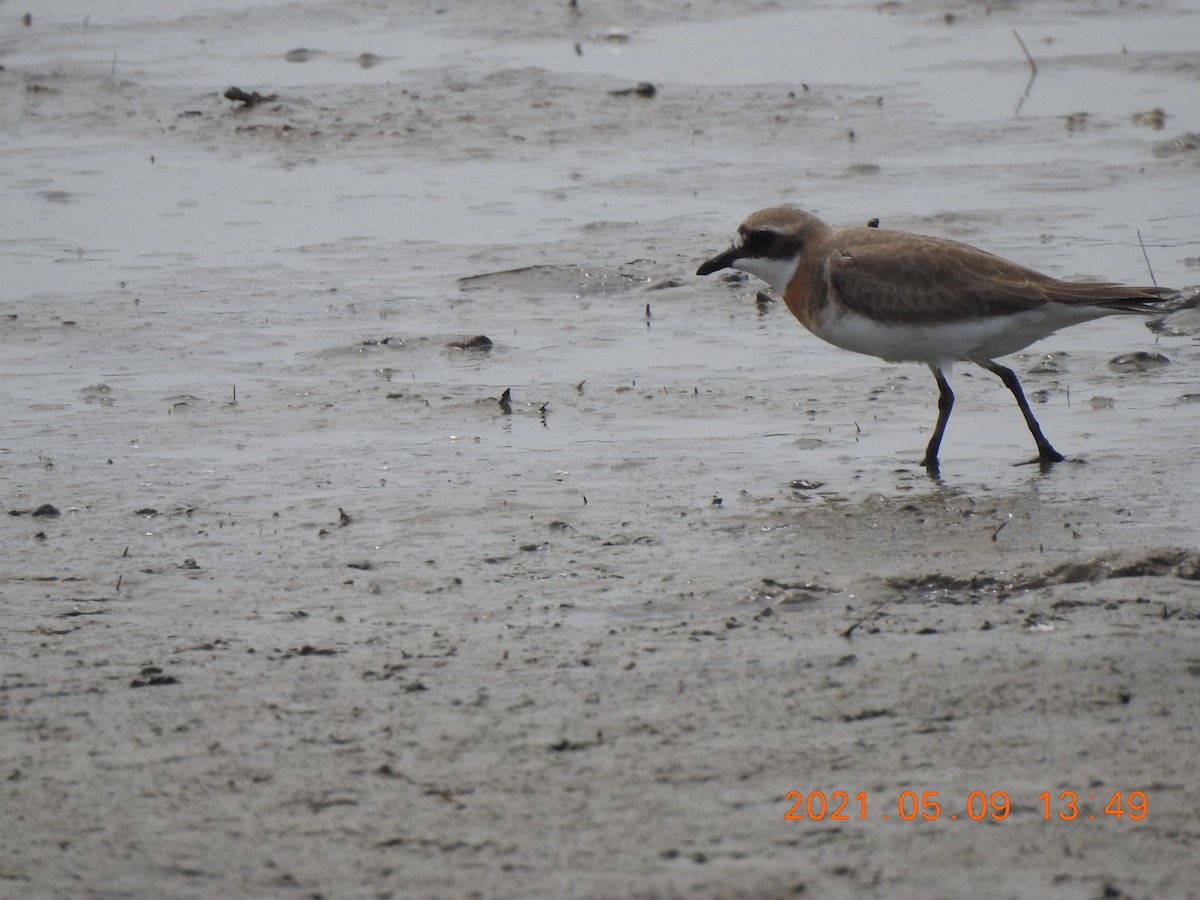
x,y
775,272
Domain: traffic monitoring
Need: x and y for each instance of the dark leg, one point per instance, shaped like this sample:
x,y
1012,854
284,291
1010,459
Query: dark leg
x,y
945,404
1046,453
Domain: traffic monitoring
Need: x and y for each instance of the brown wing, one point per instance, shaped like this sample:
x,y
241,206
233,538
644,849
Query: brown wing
x,y
913,279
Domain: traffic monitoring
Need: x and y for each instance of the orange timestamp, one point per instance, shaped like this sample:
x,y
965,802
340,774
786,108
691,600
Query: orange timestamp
x,y
928,806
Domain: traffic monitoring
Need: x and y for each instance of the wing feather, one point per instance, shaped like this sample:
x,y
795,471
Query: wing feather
x,y
902,278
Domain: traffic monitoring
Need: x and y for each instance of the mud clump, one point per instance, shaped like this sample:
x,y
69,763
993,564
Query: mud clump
x,y
1141,361
1166,563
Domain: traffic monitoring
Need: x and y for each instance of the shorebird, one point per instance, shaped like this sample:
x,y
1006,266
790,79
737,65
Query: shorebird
x,y
913,298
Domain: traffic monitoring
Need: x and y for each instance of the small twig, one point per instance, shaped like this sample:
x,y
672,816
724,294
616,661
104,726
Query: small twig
x,y
876,608
1025,50
1000,528
1033,71
1142,244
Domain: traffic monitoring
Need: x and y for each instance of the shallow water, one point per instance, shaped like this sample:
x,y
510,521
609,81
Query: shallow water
x,y
317,254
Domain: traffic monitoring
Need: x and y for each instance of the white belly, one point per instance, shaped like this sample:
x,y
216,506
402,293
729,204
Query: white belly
x,y
943,343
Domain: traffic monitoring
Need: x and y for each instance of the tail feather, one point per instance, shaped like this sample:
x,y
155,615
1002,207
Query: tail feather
x,y
1117,297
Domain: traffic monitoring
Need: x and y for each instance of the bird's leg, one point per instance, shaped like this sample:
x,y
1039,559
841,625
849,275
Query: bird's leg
x,y
1046,453
945,404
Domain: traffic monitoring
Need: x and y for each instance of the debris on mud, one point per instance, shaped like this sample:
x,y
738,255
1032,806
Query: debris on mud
x,y
478,342
248,99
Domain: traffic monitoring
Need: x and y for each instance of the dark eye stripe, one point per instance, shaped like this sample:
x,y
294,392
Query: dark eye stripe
x,y
770,244
757,242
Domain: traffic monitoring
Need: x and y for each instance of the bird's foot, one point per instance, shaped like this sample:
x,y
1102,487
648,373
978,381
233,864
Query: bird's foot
x,y
1044,461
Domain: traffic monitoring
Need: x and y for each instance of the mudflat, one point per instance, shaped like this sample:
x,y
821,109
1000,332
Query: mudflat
x,y
390,512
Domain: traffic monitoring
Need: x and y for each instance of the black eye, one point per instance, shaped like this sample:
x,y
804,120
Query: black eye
x,y
758,242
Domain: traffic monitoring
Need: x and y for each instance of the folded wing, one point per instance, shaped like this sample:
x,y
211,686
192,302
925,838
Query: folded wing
x,y
901,278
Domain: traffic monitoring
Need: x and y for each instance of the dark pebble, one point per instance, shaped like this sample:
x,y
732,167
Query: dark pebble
x,y
479,342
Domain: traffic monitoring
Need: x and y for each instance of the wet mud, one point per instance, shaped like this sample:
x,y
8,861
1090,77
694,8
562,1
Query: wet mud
x,y
389,511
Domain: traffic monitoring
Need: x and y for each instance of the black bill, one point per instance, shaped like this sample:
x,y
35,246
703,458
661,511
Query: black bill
x,y
719,262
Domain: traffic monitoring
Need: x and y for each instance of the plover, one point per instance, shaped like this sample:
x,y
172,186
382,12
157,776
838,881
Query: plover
x,y
913,298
